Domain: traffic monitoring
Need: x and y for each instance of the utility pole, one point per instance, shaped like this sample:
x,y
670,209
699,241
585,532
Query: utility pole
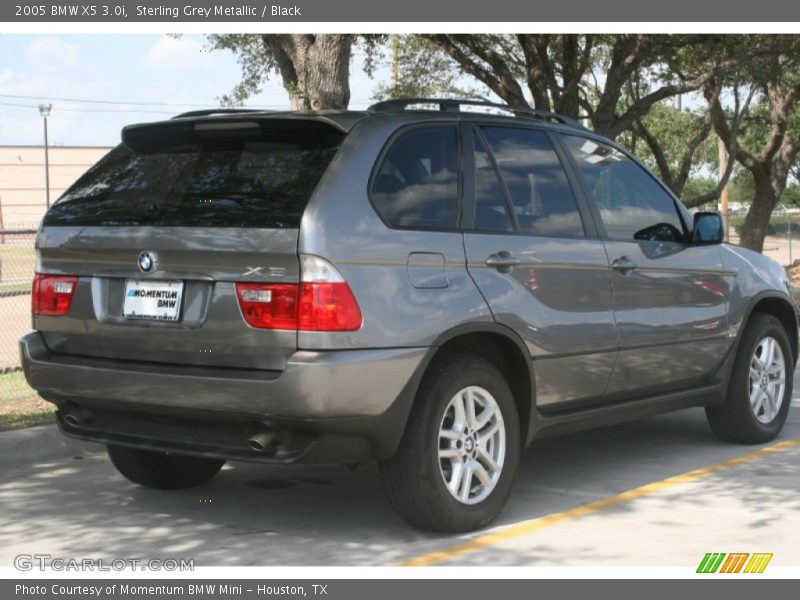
x,y
2,229
44,110
395,69
723,164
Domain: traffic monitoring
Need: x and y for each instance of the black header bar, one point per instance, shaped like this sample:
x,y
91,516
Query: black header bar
x,y
450,11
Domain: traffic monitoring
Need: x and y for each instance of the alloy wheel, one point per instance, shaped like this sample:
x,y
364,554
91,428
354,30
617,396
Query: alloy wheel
x,y
767,380
472,445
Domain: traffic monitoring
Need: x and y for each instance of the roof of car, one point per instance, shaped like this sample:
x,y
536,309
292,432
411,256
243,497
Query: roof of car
x,y
408,110
414,108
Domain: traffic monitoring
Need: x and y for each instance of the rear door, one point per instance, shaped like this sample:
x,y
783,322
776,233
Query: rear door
x,y
670,297
532,250
205,204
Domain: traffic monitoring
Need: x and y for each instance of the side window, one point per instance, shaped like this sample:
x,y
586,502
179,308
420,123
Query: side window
x,y
491,212
631,203
538,189
416,184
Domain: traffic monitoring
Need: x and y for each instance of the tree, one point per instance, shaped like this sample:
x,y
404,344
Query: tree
x,y
315,69
677,144
615,81
586,75
769,140
420,69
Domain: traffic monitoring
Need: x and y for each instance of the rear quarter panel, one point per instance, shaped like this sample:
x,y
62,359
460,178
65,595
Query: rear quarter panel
x,y
341,225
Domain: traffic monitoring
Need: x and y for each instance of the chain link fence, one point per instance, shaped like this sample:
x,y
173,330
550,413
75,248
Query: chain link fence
x,y
782,242
17,258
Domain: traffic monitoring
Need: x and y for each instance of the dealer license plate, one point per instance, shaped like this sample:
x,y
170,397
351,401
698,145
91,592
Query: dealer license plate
x,y
152,300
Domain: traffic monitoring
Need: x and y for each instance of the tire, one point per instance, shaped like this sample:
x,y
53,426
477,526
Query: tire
x,y
161,470
736,420
414,479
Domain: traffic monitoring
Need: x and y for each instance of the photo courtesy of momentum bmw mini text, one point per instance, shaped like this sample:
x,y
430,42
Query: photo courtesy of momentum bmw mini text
x,y
302,300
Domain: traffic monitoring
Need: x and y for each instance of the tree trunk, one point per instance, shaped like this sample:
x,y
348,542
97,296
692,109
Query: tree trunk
x,y
315,68
569,102
754,229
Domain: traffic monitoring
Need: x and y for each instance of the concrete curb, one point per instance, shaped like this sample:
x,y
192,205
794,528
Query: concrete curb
x,y
39,444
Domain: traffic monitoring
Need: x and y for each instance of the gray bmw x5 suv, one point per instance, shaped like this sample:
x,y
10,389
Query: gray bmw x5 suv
x,y
419,284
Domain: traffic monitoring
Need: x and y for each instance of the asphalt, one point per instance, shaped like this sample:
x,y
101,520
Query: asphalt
x,y
613,496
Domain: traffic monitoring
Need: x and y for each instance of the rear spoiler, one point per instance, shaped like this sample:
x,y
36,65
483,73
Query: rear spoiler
x,y
278,127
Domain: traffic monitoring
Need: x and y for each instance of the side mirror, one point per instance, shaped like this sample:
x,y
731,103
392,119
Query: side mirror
x,y
708,228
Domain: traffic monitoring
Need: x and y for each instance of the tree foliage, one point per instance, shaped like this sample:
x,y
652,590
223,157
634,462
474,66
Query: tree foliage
x,y
676,143
766,140
744,91
420,69
619,85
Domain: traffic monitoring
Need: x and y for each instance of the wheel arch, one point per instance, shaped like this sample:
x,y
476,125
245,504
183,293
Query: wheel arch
x,y
502,347
780,307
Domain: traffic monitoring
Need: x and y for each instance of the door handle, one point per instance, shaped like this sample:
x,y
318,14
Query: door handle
x,y
503,261
623,264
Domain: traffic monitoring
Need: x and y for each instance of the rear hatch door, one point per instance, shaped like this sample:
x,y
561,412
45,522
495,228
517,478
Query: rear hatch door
x,y
204,204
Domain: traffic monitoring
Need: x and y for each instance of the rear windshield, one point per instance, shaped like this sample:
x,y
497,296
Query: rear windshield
x,y
264,182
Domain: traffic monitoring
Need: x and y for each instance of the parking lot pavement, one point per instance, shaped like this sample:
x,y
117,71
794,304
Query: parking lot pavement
x,y
603,497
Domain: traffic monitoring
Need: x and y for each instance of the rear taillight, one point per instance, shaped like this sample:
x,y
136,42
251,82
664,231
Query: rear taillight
x,y
52,294
268,305
327,307
322,301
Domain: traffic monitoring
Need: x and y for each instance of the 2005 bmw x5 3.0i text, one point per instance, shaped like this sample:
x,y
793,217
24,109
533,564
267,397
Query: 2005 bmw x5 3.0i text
x,y
431,289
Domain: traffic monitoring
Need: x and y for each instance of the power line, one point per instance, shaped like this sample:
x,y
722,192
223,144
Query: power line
x,y
133,103
112,102
111,110
17,104
90,110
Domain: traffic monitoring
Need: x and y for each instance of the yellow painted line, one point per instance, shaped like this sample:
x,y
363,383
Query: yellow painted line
x,y
526,527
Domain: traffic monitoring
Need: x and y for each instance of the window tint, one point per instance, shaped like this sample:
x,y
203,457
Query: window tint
x,y
631,203
416,184
491,212
540,195
214,183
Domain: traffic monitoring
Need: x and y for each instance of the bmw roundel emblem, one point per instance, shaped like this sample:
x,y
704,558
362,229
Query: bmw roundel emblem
x,y
148,262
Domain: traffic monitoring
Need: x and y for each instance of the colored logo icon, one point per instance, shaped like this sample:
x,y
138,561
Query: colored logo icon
x,y
147,262
734,562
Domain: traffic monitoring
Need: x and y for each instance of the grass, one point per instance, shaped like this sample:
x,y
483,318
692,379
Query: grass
x,y
6,288
20,406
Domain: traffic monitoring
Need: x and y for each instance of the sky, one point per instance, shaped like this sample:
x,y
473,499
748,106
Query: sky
x,y
175,74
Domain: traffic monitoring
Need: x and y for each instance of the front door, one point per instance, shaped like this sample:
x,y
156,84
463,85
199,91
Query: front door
x,y
670,298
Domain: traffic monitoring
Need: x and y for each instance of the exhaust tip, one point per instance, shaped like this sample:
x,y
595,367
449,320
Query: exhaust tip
x,y
264,438
76,415
255,444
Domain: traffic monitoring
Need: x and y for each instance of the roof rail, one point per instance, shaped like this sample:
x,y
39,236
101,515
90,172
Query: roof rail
x,y
454,105
205,112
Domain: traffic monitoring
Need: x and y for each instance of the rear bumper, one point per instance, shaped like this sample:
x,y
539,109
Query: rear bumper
x,y
358,395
